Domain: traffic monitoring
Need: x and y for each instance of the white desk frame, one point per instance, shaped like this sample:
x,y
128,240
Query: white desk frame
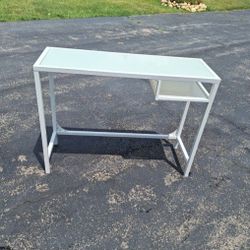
x,y
58,130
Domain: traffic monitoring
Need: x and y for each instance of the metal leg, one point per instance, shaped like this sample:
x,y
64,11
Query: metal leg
x,y
183,119
53,105
201,129
158,87
42,121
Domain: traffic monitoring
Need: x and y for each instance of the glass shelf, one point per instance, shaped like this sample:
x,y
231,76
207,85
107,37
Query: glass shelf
x,y
180,91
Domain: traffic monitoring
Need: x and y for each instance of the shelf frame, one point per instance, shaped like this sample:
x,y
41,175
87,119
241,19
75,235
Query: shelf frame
x,y
176,135
157,85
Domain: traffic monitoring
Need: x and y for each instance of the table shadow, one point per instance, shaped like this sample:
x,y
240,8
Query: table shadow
x,y
128,148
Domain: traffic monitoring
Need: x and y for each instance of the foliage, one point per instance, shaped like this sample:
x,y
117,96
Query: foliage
x,y
14,10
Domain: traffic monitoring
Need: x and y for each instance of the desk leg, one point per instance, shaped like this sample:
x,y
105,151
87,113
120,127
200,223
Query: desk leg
x,y
183,119
42,121
53,105
201,129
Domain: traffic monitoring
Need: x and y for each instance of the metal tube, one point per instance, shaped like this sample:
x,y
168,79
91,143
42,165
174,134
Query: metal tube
x,y
183,119
42,121
61,131
201,129
183,148
51,143
53,104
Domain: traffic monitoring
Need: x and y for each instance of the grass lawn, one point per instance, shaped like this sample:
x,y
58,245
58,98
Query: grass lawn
x,y
227,4
13,10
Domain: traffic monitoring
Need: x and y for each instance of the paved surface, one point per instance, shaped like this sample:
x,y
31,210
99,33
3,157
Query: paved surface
x,y
118,193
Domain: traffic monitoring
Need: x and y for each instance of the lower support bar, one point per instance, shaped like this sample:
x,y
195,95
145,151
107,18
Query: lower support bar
x,y
62,131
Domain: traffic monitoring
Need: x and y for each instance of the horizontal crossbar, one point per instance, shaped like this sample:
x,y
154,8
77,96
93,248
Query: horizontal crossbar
x,y
62,131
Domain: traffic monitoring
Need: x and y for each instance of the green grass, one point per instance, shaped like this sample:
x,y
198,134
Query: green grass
x,y
227,4
13,10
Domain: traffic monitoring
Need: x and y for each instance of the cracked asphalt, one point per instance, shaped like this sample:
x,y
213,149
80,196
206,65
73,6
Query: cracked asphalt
x,y
107,193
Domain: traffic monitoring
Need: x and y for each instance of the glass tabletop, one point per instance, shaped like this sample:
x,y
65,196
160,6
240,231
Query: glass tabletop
x,y
66,60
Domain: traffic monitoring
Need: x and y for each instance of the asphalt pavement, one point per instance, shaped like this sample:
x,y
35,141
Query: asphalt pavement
x,y
106,193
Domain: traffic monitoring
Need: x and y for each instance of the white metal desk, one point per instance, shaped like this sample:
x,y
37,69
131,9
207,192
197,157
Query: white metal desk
x,y
174,79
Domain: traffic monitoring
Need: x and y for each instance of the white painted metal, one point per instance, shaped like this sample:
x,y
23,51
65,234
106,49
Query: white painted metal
x,y
183,119
201,128
203,89
41,57
62,131
183,148
158,87
52,143
53,105
167,70
42,121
